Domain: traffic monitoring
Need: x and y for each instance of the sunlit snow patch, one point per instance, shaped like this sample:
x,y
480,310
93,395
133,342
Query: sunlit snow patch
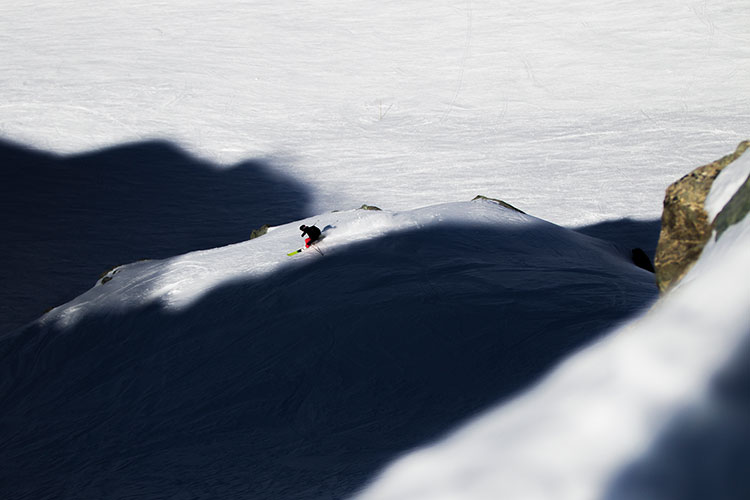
x,y
179,281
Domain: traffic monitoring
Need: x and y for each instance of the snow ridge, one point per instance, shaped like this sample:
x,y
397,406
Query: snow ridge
x,y
239,371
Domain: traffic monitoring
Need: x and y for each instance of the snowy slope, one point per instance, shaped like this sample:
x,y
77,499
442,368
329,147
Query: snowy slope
x,y
658,409
241,372
578,112
136,130
178,282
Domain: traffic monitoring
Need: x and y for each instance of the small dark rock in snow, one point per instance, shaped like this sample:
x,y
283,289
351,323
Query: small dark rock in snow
x,y
499,202
369,207
259,232
641,260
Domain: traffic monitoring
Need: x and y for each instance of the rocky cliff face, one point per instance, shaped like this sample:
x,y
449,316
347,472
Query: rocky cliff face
x,y
685,226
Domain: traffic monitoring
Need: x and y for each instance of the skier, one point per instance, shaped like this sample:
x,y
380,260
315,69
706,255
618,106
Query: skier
x,y
312,232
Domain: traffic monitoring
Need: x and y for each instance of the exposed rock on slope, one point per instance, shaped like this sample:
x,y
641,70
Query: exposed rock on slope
x,y
499,202
685,227
365,206
256,233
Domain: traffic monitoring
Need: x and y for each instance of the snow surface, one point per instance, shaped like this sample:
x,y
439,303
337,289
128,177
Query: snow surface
x,y
167,131
242,372
658,409
576,112
179,281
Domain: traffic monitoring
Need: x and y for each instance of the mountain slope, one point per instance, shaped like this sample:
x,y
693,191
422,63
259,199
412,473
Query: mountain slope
x,y
658,409
241,371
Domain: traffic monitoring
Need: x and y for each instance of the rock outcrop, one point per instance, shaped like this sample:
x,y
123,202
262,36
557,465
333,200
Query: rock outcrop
x,y
685,228
365,206
256,233
495,200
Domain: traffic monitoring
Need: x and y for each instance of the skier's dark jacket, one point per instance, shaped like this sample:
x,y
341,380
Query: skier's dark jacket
x,y
311,231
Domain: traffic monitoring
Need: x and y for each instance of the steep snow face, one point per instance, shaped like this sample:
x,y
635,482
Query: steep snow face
x,y
658,409
241,372
576,111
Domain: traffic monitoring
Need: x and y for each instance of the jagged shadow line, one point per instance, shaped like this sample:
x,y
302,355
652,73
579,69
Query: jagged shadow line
x,y
73,216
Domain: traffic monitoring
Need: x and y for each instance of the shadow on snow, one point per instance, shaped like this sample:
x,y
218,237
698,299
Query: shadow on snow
x,y
627,234
302,384
66,219
704,452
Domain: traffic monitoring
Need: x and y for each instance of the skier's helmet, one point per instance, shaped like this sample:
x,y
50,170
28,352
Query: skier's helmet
x,y
302,227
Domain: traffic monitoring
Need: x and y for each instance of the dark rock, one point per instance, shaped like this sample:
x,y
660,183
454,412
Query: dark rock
x,y
685,227
259,232
640,259
499,202
369,207
107,275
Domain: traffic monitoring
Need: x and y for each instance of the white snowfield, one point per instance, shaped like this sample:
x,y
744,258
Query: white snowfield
x,y
576,112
